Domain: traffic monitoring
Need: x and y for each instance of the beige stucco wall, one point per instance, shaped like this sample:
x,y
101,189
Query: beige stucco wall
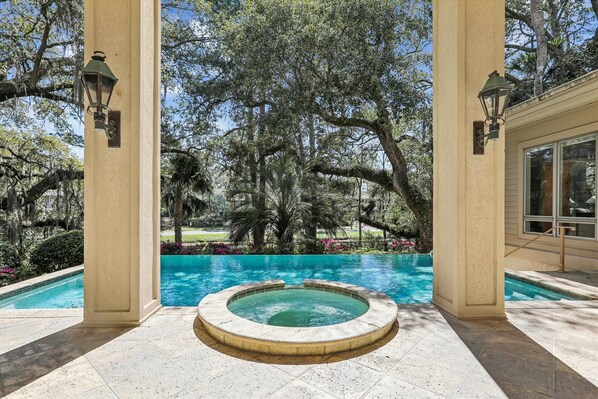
x,y
568,111
468,188
122,185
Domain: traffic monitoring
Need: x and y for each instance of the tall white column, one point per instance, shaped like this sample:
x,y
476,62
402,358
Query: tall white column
x,y
122,185
468,188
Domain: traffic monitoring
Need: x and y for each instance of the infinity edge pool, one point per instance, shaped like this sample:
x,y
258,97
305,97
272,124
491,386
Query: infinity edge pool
x,y
414,272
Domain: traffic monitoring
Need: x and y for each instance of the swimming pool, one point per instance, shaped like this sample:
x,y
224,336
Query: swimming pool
x,y
187,279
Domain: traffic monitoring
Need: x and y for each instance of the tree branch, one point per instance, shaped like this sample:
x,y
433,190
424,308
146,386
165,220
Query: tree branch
x,y
49,182
521,48
62,223
380,177
10,90
347,121
394,230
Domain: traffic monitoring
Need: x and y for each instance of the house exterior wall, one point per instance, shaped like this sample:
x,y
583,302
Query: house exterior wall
x,y
565,112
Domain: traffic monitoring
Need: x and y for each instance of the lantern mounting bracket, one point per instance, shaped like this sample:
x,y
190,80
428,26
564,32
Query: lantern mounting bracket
x,y
493,131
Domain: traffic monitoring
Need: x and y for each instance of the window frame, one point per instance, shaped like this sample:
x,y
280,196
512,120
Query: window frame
x,y
556,219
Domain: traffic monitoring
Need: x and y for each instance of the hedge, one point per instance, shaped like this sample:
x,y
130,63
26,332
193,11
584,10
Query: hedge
x,y
58,252
9,257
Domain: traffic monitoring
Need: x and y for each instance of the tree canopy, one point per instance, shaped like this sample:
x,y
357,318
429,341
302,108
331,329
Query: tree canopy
x,y
339,89
549,42
41,51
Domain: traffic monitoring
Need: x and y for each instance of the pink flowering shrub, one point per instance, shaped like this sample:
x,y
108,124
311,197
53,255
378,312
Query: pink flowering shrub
x,y
7,275
212,248
220,248
173,248
332,246
402,246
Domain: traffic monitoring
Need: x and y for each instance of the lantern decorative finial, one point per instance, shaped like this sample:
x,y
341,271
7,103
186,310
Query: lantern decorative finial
x,y
99,81
494,98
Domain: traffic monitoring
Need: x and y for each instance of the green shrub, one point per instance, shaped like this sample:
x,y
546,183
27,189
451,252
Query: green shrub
x,y
58,252
9,256
26,271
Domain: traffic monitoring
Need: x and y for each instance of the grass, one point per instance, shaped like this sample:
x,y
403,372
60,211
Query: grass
x,y
197,237
224,236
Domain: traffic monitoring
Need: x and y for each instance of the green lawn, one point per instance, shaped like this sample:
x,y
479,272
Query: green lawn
x,y
197,237
224,236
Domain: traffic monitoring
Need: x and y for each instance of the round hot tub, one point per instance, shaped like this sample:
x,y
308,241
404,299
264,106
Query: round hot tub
x,y
299,307
319,318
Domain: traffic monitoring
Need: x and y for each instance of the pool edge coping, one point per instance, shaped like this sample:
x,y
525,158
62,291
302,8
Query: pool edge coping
x,y
574,289
39,281
233,330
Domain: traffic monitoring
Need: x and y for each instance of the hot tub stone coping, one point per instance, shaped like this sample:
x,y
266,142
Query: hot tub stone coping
x,y
234,330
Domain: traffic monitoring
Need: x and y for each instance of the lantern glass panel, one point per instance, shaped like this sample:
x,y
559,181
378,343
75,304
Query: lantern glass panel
x,y
91,87
107,87
489,104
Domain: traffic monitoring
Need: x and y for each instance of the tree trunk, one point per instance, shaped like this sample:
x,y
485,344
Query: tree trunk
x,y
178,220
421,207
311,230
257,236
259,232
359,186
595,8
398,181
537,17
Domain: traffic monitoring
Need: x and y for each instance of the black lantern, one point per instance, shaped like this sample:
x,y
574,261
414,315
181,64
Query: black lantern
x,y
99,81
495,99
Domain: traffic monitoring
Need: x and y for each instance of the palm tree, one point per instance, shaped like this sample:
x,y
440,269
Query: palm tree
x,y
183,188
285,211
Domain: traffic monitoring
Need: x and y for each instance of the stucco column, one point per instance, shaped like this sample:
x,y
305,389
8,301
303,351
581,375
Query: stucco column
x,y
122,185
468,189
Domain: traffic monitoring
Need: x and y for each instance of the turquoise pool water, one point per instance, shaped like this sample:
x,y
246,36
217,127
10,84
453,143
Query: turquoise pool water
x,y
298,308
187,279
66,293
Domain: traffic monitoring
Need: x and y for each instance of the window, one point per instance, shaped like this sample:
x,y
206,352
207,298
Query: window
x,y
539,176
560,187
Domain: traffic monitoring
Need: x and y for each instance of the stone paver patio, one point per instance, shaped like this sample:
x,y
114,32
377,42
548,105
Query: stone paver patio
x,y
544,350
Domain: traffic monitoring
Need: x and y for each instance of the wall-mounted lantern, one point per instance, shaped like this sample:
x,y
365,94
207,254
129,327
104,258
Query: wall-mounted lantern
x,y
495,99
99,81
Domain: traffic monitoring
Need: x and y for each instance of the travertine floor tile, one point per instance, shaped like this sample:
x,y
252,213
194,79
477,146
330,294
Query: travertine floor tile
x,y
251,380
391,388
46,355
479,385
159,380
199,391
294,365
117,365
300,390
64,382
428,373
179,343
345,379
103,392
